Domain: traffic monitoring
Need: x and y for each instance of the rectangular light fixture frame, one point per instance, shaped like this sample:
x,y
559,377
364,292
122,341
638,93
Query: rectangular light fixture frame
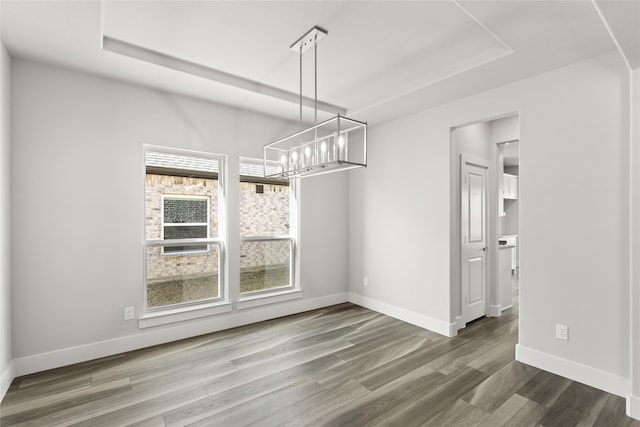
x,y
339,143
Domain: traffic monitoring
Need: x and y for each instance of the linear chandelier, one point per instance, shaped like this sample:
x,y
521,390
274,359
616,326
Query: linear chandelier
x,y
336,144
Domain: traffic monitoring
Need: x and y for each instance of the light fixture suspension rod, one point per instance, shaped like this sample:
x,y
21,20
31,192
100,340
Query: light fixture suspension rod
x,y
301,87
304,43
315,77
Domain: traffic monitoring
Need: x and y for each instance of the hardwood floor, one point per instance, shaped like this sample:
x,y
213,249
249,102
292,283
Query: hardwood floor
x,y
339,366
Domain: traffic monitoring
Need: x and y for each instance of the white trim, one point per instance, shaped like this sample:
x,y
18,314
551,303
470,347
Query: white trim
x,y
457,325
633,406
588,375
294,229
182,152
466,158
509,50
495,310
200,71
268,298
67,356
418,319
165,317
8,374
611,33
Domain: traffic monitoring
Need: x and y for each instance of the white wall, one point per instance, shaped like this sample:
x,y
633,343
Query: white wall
x,y
6,364
77,211
505,129
400,215
512,212
324,235
579,118
474,140
399,224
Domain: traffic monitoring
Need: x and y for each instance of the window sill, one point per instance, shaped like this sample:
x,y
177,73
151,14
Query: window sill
x,y
268,298
165,317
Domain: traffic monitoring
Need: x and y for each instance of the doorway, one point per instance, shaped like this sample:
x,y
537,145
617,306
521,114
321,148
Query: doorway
x,y
482,215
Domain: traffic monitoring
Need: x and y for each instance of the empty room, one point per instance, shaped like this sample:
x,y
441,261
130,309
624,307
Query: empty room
x,y
308,213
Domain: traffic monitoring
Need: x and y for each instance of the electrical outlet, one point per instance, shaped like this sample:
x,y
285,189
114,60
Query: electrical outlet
x,y
129,313
365,282
562,332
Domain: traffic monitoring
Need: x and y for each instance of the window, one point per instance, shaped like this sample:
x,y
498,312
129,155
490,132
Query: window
x,y
185,217
267,228
184,246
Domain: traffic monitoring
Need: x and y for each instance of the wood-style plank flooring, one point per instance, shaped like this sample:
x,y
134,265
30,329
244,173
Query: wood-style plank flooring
x,y
339,366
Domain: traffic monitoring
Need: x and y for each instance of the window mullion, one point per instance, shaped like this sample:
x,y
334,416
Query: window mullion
x,y
179,242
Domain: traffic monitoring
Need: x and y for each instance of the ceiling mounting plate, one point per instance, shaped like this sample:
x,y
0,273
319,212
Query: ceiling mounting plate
x,y
308,40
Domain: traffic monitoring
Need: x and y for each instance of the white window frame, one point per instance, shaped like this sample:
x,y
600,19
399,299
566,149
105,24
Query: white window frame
x,y
293,290
155,316
185,224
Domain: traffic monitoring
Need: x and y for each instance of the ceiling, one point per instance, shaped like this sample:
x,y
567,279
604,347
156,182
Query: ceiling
x,y
380,60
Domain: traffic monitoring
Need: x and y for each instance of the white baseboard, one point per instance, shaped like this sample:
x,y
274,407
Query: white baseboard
x,y
160,335
6,377
574,371
456,326
426,322
633,406
494,311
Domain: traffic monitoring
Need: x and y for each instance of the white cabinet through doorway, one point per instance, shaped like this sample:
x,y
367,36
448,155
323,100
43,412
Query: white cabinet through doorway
x,y
509,186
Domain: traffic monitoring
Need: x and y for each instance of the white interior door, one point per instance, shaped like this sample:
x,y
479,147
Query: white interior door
x,y
474,240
